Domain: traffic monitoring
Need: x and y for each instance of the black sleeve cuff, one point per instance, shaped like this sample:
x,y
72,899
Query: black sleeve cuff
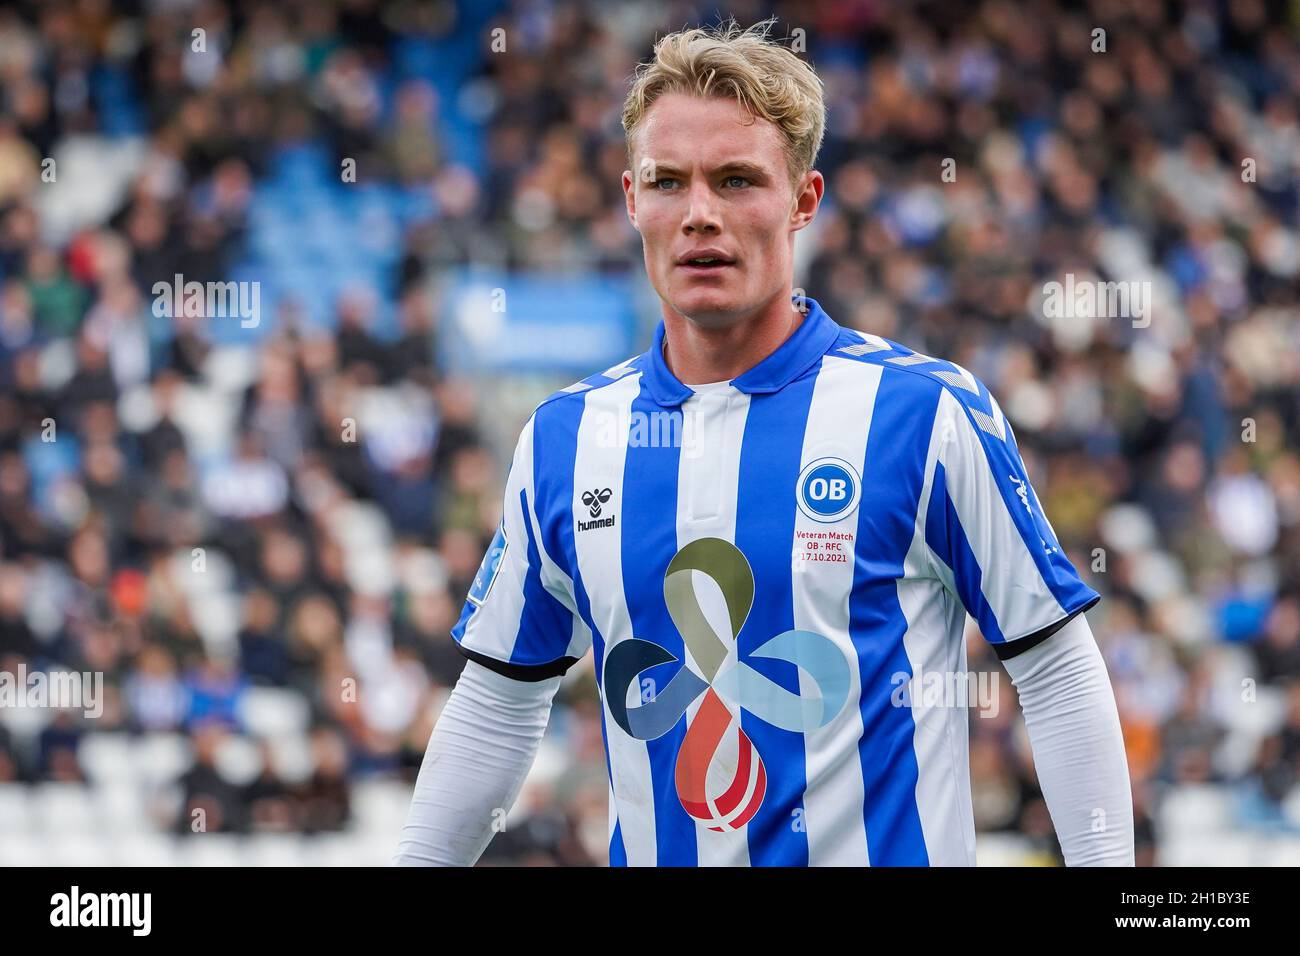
x,y
530,673
1009,649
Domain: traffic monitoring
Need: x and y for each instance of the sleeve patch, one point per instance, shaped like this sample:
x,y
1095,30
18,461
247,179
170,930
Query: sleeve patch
x,y
493,561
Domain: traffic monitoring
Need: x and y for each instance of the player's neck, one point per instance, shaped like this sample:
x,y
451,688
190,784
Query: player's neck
x,y
698,355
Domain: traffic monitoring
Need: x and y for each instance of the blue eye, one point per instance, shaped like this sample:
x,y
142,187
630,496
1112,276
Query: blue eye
x,y
658,183
741,179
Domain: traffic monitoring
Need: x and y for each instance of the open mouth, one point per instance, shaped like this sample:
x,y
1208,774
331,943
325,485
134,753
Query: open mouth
x,y
705,264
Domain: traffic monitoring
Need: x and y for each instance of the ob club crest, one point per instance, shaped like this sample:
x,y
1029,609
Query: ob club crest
x,y
829,489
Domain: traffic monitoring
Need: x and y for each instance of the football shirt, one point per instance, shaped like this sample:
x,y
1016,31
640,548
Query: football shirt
x,y
764,570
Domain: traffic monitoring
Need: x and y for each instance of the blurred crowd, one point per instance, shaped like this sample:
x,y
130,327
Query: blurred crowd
x,y
296,522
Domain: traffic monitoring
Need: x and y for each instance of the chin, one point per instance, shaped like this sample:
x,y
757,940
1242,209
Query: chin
x,y
707,305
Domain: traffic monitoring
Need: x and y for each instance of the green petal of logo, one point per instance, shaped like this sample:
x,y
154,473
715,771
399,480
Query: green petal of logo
x,y
723,677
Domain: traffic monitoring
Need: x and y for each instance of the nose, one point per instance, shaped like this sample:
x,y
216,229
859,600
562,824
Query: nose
x,y
702,210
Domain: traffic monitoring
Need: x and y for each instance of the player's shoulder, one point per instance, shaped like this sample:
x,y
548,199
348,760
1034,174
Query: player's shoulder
x,y
920,375
579,390
596,380
895,357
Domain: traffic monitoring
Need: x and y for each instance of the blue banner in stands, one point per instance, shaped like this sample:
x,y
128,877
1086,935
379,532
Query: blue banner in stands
x,y
496,321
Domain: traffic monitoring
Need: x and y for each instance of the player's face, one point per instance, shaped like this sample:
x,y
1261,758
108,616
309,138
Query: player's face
x,y
709,178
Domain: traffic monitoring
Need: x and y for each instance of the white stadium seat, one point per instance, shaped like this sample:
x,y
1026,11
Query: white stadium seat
x,y
161,758
66,809
108,757
380,806
271,712
15,810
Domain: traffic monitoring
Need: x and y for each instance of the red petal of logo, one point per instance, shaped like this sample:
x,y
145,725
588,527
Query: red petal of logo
x,y
740,801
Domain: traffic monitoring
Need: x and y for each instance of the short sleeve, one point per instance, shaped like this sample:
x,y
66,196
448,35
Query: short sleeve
x,y
994,546
519,617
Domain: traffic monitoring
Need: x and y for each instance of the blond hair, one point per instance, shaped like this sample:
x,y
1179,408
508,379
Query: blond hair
x,y
767,80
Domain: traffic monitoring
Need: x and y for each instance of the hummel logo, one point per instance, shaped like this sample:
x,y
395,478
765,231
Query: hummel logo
x,y
594,500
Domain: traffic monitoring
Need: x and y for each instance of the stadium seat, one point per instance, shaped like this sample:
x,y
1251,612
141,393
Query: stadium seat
x,y
16,810
163,757
1196,809
210,849
380,806
142,849
66,808
273,712
108,758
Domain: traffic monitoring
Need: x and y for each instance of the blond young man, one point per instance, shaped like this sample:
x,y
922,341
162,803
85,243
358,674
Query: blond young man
x,y
775,597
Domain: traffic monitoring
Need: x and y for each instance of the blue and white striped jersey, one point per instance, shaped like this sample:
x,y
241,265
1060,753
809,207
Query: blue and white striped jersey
x,y
758,566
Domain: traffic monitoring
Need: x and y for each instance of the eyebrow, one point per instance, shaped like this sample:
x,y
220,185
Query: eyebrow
x,y
735,166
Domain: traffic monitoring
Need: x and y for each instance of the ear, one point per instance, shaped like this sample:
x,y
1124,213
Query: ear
x,y
629,195
807,199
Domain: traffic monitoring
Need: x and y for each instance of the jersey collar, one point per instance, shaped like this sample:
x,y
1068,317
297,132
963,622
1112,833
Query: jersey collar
x,y
793,357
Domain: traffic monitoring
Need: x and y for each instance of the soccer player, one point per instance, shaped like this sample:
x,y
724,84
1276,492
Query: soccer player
x,y
769,530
